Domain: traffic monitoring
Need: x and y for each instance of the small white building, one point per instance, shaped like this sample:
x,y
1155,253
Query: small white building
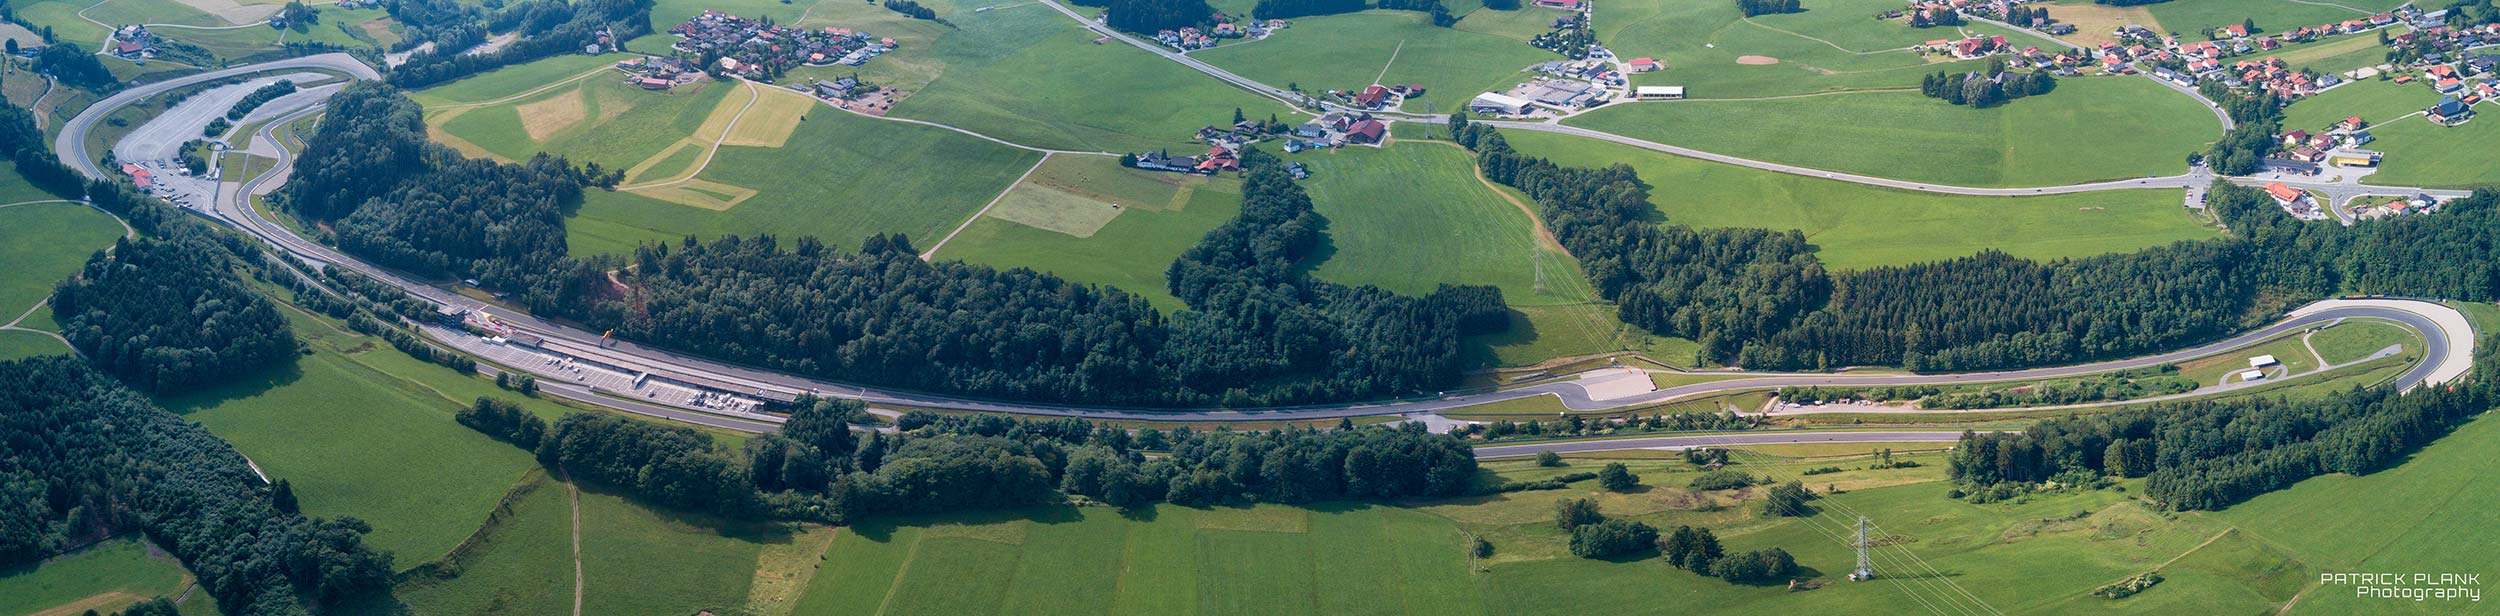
x,y
2253,375
1658,93
2261,361
1495,102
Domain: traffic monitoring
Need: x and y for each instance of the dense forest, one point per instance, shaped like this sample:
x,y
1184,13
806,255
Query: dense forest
x,y
405,202
1289,9
76,67
1760,299
87,459
1149,16
166,314
545,27
817,468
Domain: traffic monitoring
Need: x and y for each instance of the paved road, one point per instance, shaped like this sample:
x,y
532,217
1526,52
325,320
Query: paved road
x,y
2422,316
1720,440
71,143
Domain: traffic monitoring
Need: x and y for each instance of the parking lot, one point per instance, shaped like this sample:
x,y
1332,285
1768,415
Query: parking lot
x,y
548,365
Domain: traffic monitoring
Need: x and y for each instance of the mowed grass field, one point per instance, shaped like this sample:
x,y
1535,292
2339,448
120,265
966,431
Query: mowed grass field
x,y
2420,153
634,560
838,177
104,577
2373,100
2040,555
43,243
1857,226
1701,42
361,430
1348,52
1412,217
2089,129
1061,220
2188,18
1029,75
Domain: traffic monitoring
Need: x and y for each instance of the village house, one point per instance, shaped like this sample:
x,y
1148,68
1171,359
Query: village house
x,y
2449,112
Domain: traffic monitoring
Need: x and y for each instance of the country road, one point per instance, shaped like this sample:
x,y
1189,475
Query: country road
x,y
2448,338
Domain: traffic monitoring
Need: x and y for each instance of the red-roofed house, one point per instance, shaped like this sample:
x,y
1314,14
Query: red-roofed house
x,y
2283,194
1367,131
1641,65
1372,96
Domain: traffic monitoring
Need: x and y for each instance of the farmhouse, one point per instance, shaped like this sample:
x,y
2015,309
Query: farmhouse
x,y
2450,112
1373,97
133,42
1642,65
1366,131
1658,93
1494,102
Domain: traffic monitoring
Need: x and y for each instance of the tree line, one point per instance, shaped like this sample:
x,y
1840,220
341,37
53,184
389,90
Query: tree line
x,y
89,458
260,96
1289,9
1150,16
1760,299
818,468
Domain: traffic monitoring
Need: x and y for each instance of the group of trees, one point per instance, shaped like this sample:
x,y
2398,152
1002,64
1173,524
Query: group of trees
x,y
2025,16
32,156
2210,454
544,28
76,67
2243,149
1698,550
1986,89
914,9
88,458
1578,425
169,313
1753,8
1936,18
1441,15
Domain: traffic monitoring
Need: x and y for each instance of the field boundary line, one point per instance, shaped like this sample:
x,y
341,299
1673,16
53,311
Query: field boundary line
x,y
573,496
931,253
1393,61
532,92
753,96
1832,44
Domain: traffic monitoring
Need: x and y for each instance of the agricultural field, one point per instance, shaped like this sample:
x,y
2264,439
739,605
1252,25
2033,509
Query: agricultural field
x,y
2420,153
1087,219
600,119
1412,217
1858,226
1029,75
101,578
2097,23
2190,18
833,177
1711,49
494,87
2375,101
2338,54
361,430
1348,52
44,243
524,562
2063,137
2040,554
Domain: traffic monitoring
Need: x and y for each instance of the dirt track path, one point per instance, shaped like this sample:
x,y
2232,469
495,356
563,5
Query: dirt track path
x,y
573,495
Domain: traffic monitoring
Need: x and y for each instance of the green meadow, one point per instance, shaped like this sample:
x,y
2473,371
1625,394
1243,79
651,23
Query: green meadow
x,y
2373,100
1835,45
1158,216
2420,153
2189,18
103,577
840,177
1412,217
1029,75
1348,52
44,243
513,80
361,430
1857,226
2087,130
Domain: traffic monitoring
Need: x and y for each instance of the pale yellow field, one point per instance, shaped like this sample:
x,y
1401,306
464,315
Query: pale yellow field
x,y
768,124
544,118
2098,23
